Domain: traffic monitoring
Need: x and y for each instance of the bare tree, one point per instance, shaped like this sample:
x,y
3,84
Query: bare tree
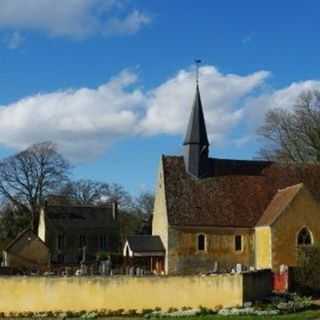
x,y
90,192
85,192
144,203
293,136
144,208
29,176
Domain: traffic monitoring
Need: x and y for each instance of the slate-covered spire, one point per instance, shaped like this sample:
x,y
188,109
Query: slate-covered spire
x,y
196,131
196,143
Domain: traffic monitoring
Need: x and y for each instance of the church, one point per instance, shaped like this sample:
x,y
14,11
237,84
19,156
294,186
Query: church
x,y
217,215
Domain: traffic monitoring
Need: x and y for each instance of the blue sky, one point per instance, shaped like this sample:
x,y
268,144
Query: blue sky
x,y
112,81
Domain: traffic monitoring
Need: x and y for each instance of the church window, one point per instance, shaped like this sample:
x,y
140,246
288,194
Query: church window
x,y
238,243
304,237
201,242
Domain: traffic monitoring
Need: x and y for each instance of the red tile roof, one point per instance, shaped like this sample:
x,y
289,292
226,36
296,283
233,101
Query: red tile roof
x,y
235,195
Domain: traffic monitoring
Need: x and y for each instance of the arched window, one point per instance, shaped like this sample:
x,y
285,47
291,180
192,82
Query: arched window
x,y
304,237
201,242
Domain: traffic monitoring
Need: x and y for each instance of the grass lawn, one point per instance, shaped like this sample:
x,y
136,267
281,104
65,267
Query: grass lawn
x,y
312,314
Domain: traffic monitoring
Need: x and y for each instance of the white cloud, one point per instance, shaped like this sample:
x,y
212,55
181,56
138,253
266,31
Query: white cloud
x,y
82,122
72,18
14,40
285,98
85,122
130,24
170,103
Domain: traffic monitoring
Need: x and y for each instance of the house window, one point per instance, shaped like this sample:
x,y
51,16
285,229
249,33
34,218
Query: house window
x,y
304,237
103,242
201,242
82,241
238,243
60,241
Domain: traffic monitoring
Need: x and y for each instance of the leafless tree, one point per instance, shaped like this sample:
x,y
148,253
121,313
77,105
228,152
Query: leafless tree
x,y
29,176
90,192
144,208
85,192
293,136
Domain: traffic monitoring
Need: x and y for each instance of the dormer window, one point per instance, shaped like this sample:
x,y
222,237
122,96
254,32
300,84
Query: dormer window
x,y
201,242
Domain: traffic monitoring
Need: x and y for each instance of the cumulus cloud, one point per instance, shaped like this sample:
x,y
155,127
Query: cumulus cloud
x,y
82,122
285,98
170,104
72,18
86,121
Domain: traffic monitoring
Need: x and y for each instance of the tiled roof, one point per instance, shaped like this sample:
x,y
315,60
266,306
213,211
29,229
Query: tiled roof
x,y
278,204
22,240
145,243
77,217
235,195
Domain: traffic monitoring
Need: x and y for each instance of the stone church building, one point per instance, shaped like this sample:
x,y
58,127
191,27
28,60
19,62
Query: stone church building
x,y
212,214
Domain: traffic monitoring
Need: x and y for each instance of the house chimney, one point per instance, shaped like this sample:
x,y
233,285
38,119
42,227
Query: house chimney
x,y
115,210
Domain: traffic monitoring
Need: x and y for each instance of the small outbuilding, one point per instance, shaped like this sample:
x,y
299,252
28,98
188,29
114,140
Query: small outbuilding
x,y
146,252
26,251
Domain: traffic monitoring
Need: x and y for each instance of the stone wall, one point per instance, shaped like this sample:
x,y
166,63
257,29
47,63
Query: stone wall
x,y
91,293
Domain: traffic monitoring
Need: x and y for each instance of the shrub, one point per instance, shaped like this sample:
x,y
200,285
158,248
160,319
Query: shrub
x,y
146,311
205,311
186,308
307,275
132,312
89,315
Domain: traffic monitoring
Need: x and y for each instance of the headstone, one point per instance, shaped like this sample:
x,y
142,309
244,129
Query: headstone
x,y
238,268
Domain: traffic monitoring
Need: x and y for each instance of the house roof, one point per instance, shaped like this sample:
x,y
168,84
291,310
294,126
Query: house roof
x,y
145,243
22,240
74,217
278,204
235,194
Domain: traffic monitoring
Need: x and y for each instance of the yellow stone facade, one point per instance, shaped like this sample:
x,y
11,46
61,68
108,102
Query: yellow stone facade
x,y
184,256
263,254
303,211
160,217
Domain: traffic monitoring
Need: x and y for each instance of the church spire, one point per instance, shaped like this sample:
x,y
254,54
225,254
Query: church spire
x,y
196,130
196,143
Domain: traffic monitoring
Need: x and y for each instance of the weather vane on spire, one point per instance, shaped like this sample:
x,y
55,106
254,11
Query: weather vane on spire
x,y
197,62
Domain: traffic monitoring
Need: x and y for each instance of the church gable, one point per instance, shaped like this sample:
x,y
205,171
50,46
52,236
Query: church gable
x,y
297,226
280,202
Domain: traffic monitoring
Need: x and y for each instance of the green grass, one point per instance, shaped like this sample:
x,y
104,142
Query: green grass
x,y
312,314
308,315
